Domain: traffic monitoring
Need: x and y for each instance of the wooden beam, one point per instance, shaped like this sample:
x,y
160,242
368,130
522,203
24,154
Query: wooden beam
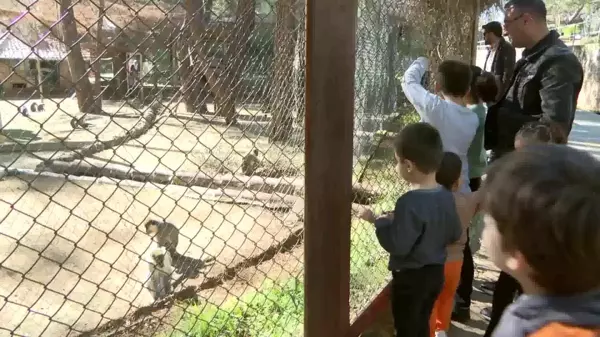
x,y
330,65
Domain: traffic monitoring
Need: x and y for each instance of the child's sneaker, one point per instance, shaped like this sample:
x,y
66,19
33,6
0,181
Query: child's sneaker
x,y
461,314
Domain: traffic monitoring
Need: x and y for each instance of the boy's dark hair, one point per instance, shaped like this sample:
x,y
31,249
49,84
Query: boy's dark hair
x,y
536,8
542,132
535,132
545,200
454,77
449,171
483,85
420,143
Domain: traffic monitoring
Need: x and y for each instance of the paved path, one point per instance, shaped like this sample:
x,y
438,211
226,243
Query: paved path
x,y
585,134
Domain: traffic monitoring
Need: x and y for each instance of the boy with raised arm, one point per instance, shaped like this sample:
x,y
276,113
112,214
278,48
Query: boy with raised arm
x,y
449,114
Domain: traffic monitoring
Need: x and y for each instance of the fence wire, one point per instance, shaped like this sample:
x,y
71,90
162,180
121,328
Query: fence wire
x,y
152,155
390,36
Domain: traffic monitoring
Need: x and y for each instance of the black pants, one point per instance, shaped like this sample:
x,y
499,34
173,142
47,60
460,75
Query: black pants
x,y
414,292
504,294
467,272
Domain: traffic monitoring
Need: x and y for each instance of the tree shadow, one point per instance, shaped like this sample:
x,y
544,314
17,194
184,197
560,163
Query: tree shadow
x,y
20,135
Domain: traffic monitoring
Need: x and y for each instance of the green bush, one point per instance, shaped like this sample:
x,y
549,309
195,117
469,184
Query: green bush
x,y
272,311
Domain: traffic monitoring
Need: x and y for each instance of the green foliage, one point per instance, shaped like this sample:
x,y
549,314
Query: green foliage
x,y
570,30
409,117
368,265
272,311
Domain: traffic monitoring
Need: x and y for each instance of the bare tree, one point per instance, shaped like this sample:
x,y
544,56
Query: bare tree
x,y
201,64
77,66
193,83
281,91
237,55
98,54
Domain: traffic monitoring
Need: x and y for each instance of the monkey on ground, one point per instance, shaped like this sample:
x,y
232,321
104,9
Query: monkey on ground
x,y
164,233
160,271
250,163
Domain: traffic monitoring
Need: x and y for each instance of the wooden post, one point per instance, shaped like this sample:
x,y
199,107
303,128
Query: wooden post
x,y
330,64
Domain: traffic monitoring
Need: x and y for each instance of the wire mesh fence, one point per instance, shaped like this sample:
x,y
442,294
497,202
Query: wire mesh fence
x,y
152,155
390,36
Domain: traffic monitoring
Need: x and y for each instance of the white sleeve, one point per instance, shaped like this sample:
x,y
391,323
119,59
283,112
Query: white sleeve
x,y
424,102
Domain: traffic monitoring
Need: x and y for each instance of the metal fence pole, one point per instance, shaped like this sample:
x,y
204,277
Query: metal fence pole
x,y
330,38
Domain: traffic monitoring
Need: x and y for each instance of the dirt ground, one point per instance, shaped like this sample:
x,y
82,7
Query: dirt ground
x,y
73,252
180,141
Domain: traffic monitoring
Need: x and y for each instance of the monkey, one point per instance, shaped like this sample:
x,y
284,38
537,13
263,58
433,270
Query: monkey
x,y
79,122
164,233
23,111
250,163
159,275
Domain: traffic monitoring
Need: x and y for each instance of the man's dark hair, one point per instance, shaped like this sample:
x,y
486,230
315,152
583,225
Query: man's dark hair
x,y
536,8
454,77
420,143
449,171
544,200
493,27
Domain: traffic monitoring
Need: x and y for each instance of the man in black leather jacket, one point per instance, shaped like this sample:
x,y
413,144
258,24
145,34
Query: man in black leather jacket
x,y
545,86
546,81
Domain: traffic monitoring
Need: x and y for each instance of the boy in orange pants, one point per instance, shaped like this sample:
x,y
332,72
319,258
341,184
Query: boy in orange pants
x,y
449,177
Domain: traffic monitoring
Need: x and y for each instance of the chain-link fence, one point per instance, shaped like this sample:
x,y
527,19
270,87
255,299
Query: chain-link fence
x,y
152,155
391,35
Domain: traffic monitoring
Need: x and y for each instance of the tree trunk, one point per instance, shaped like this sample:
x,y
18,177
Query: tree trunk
x,y
237,56
201,64
193,84
98,54
281,91
286,185
389,93
77,66
39,79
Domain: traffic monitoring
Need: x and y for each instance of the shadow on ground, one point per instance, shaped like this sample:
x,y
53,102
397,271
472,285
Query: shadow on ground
x,y
20,135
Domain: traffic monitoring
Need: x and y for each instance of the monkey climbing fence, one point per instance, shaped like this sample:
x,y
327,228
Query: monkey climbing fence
x,y
206,147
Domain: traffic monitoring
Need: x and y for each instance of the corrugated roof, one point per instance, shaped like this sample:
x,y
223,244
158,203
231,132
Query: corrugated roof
x,y
12,48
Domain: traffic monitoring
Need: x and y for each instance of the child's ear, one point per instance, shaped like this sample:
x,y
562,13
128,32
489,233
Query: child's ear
x,y
516,263
410,166
437,87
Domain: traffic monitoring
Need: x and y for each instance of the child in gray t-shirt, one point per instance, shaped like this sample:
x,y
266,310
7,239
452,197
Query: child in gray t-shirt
x,y
416,234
